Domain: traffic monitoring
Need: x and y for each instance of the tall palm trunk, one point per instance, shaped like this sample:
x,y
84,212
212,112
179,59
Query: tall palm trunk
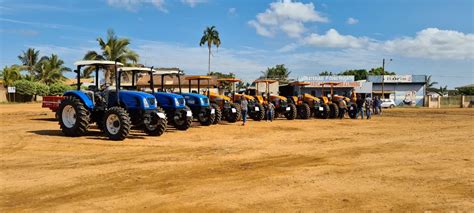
x,y
209,61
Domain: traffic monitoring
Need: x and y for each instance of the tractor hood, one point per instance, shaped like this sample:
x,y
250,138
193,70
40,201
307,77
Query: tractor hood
x,y
134,99
170,95
214,96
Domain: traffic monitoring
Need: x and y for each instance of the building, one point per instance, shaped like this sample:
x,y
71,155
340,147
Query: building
x,y
403,89
345,86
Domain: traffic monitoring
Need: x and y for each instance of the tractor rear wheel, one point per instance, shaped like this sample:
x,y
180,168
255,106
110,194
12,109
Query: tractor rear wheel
x,y
258,115
181,120
116,123
290,115
218,114
234,117
323,111
73,117
333,110
352,111
304,111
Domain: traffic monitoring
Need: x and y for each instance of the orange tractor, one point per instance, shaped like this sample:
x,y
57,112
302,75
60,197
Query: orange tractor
x,y
224,107
281,103
306,104
255,109
333,102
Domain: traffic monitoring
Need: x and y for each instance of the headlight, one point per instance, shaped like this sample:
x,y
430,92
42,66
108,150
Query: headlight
x,y
145,103
176,102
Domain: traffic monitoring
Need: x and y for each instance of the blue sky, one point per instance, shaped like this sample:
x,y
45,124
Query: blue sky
x,y
431,37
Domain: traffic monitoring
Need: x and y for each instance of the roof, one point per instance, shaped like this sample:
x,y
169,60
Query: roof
x,y
172,81
198,77
96,62
265,81
71,81
233,80
299,83
129,69
330,83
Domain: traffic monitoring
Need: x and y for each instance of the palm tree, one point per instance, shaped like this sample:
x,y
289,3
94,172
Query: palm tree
x,y
10,75
114,49
443,90
210,37
51,69
430,85
279,72
29,60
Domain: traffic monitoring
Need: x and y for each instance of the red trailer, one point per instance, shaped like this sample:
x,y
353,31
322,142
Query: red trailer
x,y
52,102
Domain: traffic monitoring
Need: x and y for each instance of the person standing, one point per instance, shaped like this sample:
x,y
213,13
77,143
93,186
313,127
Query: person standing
x,y
379,106
342,108
243,106
374,105
368,107
270,108
360,107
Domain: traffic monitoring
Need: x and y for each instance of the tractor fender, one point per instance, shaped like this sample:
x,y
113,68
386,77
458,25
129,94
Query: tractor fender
x,y
81,96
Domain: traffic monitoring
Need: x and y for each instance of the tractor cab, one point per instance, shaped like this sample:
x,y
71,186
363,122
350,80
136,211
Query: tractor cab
x,y
173,105
223,105
282,106
255,110
113,110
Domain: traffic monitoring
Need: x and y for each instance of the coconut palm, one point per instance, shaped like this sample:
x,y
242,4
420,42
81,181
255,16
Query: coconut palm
x,y
51,69
114,49
279,72
210,37
443,90
430,84
10,74
29,60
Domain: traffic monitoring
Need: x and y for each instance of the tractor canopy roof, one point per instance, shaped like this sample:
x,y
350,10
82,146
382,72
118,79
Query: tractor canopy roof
x,y
232,80
268,81
168,71
299,83
95,63
198,77
140,69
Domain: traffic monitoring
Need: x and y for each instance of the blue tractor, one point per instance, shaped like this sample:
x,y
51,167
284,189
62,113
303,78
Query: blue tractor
x,y
114,111
174,105
199,104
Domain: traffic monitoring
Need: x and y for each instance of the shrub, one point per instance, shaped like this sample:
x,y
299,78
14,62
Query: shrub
x,y
24,87
58,88
41,89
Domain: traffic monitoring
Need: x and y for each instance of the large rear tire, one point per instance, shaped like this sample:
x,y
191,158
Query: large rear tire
x,y
291,115
181,121
73,117
333,110
116,123
234,117
218,114
304,111
324,113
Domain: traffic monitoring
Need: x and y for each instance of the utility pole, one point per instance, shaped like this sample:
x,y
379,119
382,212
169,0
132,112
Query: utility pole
x,y
383,77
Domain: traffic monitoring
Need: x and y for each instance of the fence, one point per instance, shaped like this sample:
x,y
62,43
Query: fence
x,y
450,102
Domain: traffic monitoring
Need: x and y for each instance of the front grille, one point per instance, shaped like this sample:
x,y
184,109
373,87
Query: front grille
x,y
181,101
151,101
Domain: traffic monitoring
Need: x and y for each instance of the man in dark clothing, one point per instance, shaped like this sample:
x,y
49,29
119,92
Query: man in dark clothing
x,y
368,106
243,105
360,107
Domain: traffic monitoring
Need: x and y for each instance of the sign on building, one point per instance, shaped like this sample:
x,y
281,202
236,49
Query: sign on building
x,y
329,78
11,89
397,78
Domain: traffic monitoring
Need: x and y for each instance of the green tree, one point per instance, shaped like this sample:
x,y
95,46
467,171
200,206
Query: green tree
x,y
59,88
380,71
10,75
225,85
29,59
430,85
466,90
443,90
358,74
279,72
210,37
113,49
325,73
51,69
25,87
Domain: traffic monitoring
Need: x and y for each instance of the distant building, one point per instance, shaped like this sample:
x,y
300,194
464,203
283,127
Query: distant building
x,y
344,88
403,89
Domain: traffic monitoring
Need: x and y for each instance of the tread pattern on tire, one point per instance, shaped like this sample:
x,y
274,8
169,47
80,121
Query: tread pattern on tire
x,y
186,124
234,117
260,115
333,110
125,123
218,115
82,117
323,114
160,127
304,111
210,118
291,115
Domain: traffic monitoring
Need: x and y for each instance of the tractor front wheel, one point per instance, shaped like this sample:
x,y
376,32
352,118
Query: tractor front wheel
x,y
205,117
290,115
333,110
232,116
156,124
304,111
73,117
116,123
352,111
181,120
258,115
323,111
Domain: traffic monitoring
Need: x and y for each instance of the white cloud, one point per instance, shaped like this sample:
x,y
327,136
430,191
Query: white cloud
x,y
333,39
232,11
351,21
286,16
193,3
433,43
133,5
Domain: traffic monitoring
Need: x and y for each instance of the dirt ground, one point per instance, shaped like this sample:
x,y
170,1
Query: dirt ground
x,y
406,160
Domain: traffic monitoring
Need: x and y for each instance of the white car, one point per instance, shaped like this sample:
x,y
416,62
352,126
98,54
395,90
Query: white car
x,y
388,103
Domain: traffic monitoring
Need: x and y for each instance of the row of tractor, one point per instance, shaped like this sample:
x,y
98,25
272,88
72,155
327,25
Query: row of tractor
x,y
115,108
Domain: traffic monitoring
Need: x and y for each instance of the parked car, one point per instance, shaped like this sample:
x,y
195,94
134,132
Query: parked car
x,y
388,103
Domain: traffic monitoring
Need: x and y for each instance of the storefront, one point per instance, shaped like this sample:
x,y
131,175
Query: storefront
x,y
403,89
